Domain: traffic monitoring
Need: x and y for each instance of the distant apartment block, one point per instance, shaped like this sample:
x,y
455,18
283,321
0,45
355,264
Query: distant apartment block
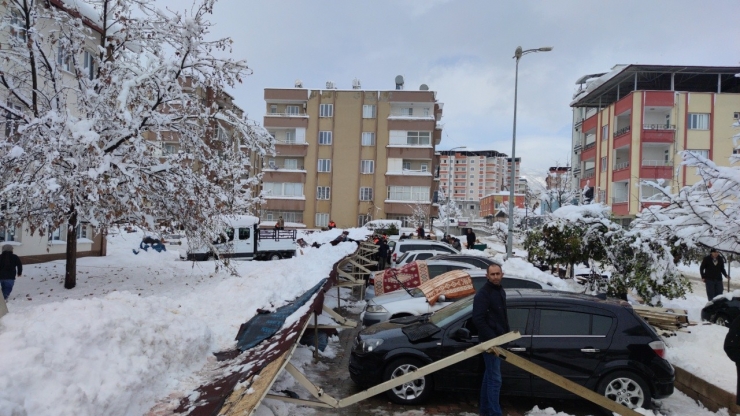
x,y
350,155
629,125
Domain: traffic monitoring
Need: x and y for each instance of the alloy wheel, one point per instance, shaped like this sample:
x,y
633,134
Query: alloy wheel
x,y
625,391
412,389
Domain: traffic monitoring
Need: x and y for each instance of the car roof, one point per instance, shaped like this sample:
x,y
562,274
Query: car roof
x,y
559,296
450,256
448,263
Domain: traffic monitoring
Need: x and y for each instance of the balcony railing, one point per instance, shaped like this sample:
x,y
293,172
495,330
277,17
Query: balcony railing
x,y
577,148
659,126
288,114
576,171
620,166
619,199
589,173
589,146
278,166
656,163
622,131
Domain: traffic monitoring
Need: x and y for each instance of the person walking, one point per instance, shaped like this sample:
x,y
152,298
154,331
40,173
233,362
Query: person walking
x,y
420,232
383,249
280,224
712,269
491,320
10,269
470,236
732,349
332,225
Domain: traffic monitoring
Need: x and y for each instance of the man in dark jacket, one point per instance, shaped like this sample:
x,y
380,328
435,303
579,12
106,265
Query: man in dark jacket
x,y
712,269
491,320
470,236
10,268
383,249
732,349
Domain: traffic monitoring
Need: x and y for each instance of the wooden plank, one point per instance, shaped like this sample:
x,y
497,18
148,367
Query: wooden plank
x,y
563,382
339,318
300,402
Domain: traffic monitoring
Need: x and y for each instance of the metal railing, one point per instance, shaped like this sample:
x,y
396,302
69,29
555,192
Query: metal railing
x,y
576,171
589,173
276,166
656,163
589,145
620,166
577,147
659,126
288,114
622,131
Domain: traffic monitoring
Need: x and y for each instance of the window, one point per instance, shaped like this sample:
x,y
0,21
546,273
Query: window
x,y
63,59
418,138
406,165
282,189
244,233
406,111
368,138
368,111
367,166
290,136
366,194
322,219
7,233
362,219
323,192
603,164
698,152
602,196
81,231
89,64
326,110
601,325
604,132
558,322
425,110
169,148
291,164
408,193
273,109
324,165
698,121
472,177
11,120
425,167
325,137
17,25
55,235
292,110
518,319
472,161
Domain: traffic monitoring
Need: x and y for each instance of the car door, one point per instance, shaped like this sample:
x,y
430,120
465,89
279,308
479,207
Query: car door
x,y
244,243
571,341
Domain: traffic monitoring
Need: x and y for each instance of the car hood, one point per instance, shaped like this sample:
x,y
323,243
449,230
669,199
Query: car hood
x,y
383,330
387,298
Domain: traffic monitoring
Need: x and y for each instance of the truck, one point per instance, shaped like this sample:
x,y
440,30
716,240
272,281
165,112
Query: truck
x,y
243,239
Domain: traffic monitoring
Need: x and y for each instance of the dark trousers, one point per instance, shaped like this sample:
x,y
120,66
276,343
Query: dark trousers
x,y
381,263
491,387
714,288
7,287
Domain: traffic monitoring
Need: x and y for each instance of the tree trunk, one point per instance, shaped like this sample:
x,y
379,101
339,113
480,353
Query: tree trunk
x,y
70,276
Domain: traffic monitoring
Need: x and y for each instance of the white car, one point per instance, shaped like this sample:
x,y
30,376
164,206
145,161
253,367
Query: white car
x,y
402,303
410,244
410,256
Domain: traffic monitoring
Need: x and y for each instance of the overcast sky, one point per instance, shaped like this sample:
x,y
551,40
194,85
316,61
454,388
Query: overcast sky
x,y
463,50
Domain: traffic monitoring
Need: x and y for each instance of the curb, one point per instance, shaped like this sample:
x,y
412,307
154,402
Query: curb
x,y
711,396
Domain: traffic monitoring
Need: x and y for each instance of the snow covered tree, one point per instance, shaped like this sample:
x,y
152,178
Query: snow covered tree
x,y
419,214
93,89
706,214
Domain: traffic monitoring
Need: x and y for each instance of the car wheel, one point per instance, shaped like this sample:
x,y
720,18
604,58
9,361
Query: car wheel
x,y
722,320
412,392
626,388
275,256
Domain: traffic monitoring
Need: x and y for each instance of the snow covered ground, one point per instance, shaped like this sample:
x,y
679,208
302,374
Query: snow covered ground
x,y
141,328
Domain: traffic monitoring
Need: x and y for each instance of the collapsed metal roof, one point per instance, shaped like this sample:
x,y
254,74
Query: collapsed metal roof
x,y
609,87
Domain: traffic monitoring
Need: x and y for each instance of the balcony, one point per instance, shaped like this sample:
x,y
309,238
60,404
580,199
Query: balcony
x,y
656,169
623,130
589,173
288,114
658,133
577,148
576,171
620,205
589,151
620,166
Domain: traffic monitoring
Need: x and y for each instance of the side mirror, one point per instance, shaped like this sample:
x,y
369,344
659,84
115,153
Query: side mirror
x,y
461,334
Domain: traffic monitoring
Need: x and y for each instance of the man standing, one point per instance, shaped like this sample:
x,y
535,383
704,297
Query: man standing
x,y
712,269
10,268
489,316
471,238
383,248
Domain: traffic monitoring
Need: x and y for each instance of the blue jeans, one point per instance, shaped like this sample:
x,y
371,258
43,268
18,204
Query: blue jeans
x,y
714,288
7,286
491,387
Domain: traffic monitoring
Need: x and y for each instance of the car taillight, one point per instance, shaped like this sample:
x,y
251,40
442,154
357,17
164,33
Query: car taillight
x,y
394,257
658,347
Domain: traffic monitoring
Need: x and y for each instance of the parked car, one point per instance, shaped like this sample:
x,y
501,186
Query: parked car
x,y
400,303
721,310
602,345
477,261
402,246
410,256
435,268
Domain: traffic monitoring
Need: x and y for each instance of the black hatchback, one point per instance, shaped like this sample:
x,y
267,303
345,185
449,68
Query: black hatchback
x,y
600,344
722,310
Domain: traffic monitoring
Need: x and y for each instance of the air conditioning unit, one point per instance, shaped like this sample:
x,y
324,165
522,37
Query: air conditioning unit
x,y
736,116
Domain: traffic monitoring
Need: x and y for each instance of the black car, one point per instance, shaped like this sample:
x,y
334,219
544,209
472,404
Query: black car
x,y
600,344
477,261
721,311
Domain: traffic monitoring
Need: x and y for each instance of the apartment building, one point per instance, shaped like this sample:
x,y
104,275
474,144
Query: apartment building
x,y
350,155
469,175
629,125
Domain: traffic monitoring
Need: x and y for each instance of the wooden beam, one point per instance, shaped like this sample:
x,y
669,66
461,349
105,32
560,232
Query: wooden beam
x,y
297,401
339,318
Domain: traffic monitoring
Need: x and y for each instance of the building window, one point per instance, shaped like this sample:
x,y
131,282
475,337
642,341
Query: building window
x,y
292,110
290,136
325,137
699,152
55,235
324,165
698,121
17,25
322,219
367,166
362,219
169,148
89,64
63,59
282,189
472,161
602,197
7,233
418,138
424,167
603,164
291,164
323,192
368,138
81,231
368,111
11,120
273,109
408,193
406,165
326,110
366,194
605,132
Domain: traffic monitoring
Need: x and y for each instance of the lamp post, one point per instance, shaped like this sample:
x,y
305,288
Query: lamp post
x,y
517,55
449,187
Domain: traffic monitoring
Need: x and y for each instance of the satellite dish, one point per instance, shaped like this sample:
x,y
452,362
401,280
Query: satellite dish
x,y
298,83
356,84
399,82
424,87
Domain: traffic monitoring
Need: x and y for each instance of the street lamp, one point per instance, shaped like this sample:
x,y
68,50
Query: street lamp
x,y
510,237
449,187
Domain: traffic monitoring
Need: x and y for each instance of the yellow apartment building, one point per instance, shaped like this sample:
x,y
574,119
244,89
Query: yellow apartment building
x,y
350,156
630,124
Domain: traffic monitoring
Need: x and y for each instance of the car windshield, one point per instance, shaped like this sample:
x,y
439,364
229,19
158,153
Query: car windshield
x,y
453,312
416,293
403,257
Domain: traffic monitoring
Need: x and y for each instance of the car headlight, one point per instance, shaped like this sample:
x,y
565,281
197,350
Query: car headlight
x,y
375,309
368,345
